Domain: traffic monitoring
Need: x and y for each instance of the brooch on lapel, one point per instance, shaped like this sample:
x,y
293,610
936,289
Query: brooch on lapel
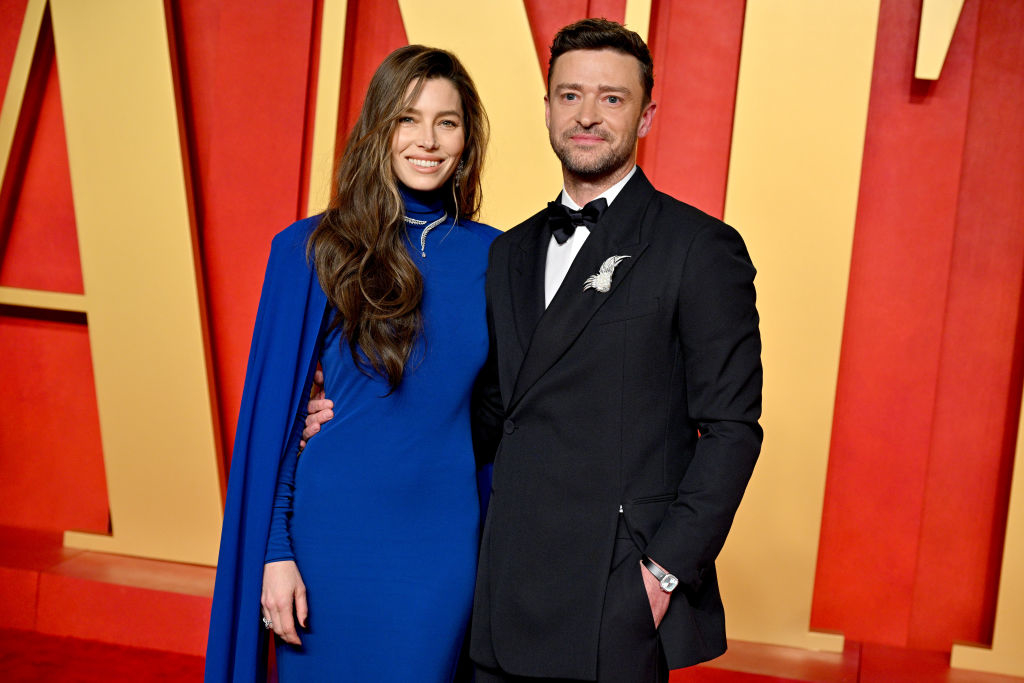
x,y
602,279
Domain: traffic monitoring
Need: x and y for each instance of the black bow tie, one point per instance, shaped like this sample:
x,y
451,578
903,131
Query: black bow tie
x,y
563,221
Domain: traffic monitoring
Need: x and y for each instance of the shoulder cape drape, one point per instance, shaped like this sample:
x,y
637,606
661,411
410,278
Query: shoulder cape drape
x,y
282,360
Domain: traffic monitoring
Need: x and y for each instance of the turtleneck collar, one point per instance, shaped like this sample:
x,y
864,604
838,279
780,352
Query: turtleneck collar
x,y
421,205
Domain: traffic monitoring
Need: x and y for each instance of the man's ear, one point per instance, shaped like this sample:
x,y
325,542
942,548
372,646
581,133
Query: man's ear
x,y
646,120
547,112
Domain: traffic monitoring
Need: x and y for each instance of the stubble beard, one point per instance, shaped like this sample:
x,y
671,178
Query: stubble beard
x,y
584,164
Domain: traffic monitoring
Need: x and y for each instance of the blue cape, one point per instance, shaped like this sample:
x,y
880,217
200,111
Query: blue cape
x,y
282,360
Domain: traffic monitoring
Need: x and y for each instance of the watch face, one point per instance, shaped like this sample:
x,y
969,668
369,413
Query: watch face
x,y
669,583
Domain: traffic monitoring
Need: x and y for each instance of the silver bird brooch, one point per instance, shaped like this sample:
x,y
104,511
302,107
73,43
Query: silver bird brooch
x,y
602,279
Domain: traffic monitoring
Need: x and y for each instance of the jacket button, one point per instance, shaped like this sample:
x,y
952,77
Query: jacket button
x,y
510,426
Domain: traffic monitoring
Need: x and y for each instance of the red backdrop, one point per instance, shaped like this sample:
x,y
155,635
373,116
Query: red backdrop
x,y
929,380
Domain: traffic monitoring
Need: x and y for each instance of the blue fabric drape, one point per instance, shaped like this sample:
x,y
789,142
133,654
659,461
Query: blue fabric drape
x,y
282,360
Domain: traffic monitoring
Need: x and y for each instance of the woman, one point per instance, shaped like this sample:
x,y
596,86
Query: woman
x,y
369,538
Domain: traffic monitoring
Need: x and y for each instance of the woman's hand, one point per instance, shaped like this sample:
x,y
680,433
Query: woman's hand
x,y
284,594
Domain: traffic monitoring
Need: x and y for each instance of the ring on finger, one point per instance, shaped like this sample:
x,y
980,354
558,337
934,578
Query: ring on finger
x,y
267,623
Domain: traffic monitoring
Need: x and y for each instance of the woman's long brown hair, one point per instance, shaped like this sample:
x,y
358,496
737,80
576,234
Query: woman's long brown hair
x,y
359,246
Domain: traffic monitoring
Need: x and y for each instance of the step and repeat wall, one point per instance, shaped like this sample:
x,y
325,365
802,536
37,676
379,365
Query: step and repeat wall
x,y
871,153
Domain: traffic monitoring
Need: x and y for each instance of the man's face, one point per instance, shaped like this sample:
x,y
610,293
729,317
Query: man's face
x,y
594,112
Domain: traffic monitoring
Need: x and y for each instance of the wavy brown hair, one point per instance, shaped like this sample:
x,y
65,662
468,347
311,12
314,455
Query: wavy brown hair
x,y
359,246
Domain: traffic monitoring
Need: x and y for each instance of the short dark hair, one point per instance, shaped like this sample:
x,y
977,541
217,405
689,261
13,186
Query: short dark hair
x,y
602,34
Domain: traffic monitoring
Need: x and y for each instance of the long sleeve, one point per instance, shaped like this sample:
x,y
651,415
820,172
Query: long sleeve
x,y
722,348
487,411
282,359
279,541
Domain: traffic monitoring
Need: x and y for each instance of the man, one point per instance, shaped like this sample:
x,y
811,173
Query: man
x,y
622,393
626,374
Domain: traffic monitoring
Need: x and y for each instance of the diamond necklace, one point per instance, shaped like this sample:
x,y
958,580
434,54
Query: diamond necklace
x,y
429,226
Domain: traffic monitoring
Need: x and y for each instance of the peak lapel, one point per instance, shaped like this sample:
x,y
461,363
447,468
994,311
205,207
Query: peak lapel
x,y
618,234
526,279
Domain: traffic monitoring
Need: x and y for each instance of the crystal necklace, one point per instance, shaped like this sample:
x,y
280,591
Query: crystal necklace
x,y
429,226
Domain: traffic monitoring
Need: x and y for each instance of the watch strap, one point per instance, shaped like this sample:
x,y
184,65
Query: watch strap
x,y
658,572
667,581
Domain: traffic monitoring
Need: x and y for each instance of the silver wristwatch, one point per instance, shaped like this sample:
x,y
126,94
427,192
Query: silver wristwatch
x,y
668,582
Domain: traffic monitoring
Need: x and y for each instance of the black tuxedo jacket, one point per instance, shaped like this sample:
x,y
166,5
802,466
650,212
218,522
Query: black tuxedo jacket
x,y
641,402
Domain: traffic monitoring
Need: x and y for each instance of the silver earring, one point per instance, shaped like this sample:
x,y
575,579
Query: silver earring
x,y
459,171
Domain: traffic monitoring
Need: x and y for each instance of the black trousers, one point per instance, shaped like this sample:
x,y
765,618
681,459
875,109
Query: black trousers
x,y
628,649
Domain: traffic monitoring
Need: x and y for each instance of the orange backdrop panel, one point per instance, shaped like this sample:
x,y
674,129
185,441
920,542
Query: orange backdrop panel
x,y
928,384
547,17
926,395
372,31
51,469
11,14
696,47
892,335
51,462
245,68
40,249
975,423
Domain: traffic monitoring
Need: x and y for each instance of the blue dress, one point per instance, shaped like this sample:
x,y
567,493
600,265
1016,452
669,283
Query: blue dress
x,y
381,510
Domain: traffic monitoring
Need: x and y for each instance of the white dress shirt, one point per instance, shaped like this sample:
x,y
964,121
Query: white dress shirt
x,y
560,256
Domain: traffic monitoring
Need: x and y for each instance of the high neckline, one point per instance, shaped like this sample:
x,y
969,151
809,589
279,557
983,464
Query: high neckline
x,y
421,205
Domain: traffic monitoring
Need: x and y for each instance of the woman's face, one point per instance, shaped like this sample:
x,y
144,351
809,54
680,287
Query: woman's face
x,y
430,136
